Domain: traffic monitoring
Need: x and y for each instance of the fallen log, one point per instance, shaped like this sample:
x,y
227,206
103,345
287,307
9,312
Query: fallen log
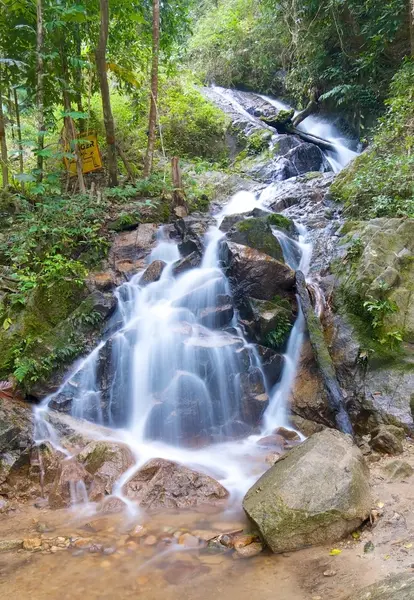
x,y
323,358
314,139
283,124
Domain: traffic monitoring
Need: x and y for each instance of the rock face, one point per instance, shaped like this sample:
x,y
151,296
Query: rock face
x,y
130,249
317,492
260,275
162,484
397,587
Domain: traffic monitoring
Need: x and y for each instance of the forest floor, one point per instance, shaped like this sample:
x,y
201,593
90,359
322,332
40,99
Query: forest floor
x,y
111,556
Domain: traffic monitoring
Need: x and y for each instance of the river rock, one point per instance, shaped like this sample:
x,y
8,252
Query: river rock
x,y
106,462
162,484
317,492
153,272
307,158
257,234
272,365
258,274
396,587
191,261
398,470
387,441
254,397
71,479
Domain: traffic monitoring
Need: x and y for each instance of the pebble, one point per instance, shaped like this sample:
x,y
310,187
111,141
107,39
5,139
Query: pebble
x,y
54,549
142,580
329,573
139,531
108,551
249,551
151,540
78,552
369,547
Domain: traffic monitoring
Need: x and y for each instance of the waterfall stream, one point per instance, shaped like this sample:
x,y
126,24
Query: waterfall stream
x,y
168,380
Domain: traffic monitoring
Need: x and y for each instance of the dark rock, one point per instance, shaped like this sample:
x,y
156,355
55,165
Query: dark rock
x,y
272,365
308,158
254,398
386,442
128,252
153,272
317,492
287,434
217,316
257,234
256,273
162,484
191,261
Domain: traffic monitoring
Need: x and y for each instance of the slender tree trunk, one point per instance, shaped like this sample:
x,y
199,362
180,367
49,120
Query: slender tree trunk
x,y
40,86
179,204
78,71
126,162
19,130
70,124
100,57
154,88
3,142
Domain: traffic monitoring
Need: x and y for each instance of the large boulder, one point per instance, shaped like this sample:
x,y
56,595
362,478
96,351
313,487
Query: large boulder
x,y
162,484
257,233
308,158
152,273
70,485
258,274
396,587
318,492
129,249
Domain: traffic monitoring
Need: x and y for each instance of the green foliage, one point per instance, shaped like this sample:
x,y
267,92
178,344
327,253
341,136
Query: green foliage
x,y
191,125
380,182
258,142
355,249
277,338
281,222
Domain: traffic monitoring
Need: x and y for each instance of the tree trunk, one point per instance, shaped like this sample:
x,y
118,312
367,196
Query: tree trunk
x,y
323,358
3,142
19,131
179,205
70,124
39,86
126,163
312,107
152,125
100,57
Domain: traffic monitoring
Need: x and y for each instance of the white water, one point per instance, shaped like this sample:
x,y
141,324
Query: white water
x,y
322,128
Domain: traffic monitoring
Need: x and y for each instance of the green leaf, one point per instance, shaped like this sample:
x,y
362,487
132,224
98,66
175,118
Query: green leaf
x,y
74,114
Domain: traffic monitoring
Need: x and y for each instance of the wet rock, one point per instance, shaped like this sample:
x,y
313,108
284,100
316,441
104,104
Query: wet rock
x,y
256,273
272,365
111,505
272,441
398,470
396,587
254,397
9,545
71,479
249,551
191,261
306,427
216,317
106,462
161,484
385,441
307,158
317,492
152,273
257,234
287,434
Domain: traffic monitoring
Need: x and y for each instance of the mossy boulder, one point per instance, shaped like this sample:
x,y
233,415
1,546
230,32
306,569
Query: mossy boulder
x,y
257,234
318,492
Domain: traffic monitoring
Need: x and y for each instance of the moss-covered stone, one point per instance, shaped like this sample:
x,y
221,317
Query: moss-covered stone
x,y
257,233
281,222
317,492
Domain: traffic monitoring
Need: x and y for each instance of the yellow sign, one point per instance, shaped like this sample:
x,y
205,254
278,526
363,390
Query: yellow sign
x,y
90,154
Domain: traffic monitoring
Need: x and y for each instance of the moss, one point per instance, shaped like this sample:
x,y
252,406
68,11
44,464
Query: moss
x,y
257,142
281,222
256,233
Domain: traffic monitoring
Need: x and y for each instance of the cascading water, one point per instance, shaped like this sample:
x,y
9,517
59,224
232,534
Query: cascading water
x,y
169,380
